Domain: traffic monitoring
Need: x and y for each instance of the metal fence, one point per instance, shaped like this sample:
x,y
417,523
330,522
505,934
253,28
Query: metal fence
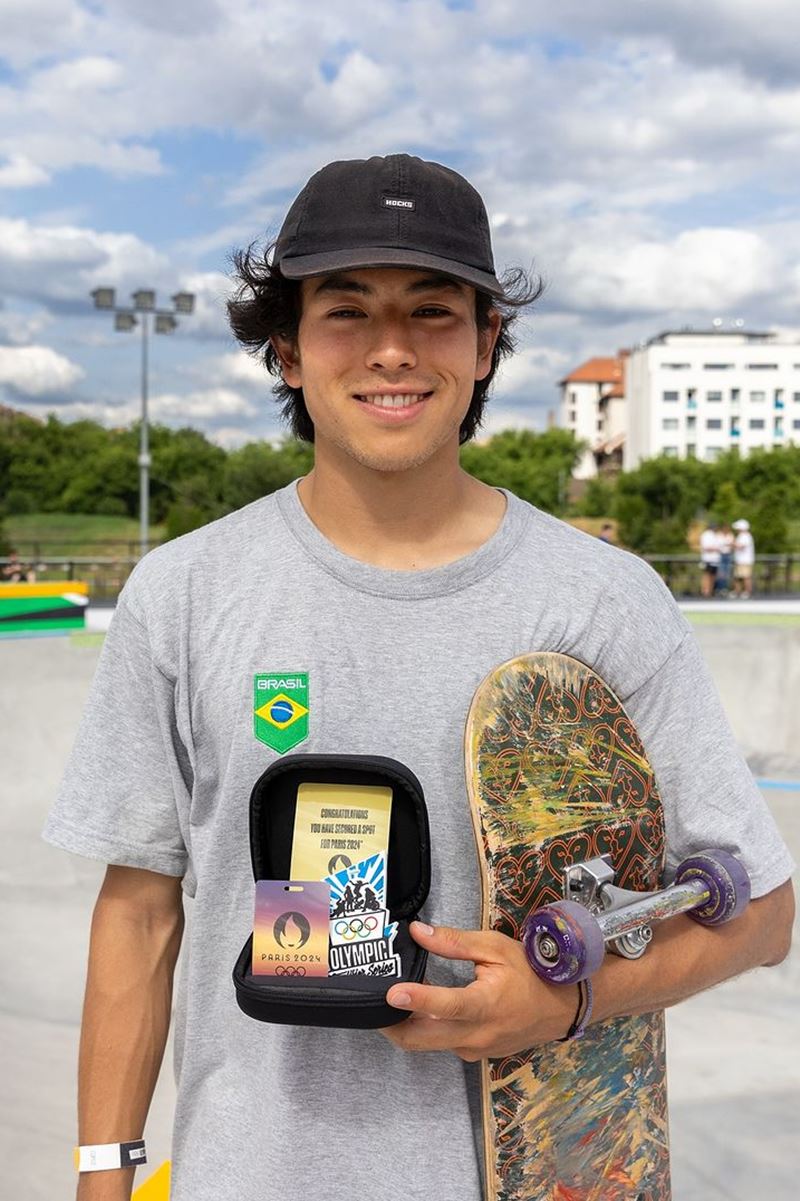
x,y
105,576
773,575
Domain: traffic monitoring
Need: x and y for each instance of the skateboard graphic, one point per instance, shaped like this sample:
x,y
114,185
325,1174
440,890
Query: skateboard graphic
x,y
564,801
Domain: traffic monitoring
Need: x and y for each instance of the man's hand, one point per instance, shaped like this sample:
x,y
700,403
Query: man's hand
x,y
505,1009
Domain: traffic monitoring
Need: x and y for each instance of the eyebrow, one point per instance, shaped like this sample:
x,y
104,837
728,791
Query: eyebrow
x,y
432,283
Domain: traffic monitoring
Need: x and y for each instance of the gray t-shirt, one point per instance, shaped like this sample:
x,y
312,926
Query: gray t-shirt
x,y
165,759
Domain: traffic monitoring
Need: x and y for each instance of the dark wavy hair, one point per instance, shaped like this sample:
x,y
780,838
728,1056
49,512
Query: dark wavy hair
x,y
267,304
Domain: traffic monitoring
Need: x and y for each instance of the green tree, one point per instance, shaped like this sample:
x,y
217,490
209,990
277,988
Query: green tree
x,y
537,467
598,498
768,523
257,469
655,503
727,505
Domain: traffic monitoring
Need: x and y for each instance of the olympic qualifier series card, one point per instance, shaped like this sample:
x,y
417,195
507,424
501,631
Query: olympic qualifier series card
x,y
291,928
362,937
337,825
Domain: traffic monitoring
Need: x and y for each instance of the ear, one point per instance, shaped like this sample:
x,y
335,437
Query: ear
x,y
289,356
487,339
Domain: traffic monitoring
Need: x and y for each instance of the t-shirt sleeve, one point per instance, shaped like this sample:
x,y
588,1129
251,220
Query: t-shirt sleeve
x,y
129,770
710,798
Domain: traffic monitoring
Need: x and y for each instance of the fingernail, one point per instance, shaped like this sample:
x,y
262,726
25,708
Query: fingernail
x,y
424,928
400,999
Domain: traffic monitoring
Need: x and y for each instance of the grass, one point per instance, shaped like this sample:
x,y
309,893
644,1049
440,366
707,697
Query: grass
x,y
60,534
742,619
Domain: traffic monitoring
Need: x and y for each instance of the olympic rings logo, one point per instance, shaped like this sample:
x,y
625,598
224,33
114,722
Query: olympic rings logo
x,y
356,927
282,970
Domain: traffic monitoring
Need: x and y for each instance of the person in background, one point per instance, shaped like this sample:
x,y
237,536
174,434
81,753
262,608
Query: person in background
x,y
744,556
709,559
606,532
722,584
15,572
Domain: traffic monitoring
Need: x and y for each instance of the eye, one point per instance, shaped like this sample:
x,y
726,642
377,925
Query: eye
x,y
345,313
431,310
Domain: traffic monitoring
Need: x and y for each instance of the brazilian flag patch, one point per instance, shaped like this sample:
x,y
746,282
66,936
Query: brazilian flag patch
x,y
280,709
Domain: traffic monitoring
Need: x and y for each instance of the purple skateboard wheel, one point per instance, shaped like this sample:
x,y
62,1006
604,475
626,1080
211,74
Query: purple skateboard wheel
x,y
727,880
563,942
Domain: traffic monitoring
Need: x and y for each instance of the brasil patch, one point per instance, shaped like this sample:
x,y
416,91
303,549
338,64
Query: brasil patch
x,y
280,704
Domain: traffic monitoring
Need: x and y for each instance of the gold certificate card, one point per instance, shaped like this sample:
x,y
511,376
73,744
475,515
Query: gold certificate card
x,y
337,825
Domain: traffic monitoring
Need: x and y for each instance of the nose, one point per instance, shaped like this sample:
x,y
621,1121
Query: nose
x,y
391,347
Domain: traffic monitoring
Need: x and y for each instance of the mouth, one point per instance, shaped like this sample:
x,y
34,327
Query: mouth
x,y
392,400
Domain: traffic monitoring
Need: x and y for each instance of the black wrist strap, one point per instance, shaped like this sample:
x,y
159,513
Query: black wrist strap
x,y
583,1014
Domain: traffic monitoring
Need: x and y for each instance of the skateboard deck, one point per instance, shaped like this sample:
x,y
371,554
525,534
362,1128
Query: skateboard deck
x,y
556,773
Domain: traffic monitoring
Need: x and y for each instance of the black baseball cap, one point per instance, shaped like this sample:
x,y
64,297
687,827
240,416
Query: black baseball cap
x,y
397,211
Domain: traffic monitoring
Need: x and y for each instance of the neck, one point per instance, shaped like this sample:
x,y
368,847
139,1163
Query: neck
x,y
418,518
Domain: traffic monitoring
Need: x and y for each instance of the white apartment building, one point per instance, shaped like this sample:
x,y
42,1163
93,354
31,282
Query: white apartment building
x,y
593,408
699,393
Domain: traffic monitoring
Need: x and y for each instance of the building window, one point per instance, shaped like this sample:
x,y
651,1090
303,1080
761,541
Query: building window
x,y
796,397
735,396
734,427
712,453
718,366
573,398
757,423
796,424
691,422
572,416
599,424
670,396
762,366
778,427
757,397
670,452
677,366
714,397
714,423
691,450
779,398
669,423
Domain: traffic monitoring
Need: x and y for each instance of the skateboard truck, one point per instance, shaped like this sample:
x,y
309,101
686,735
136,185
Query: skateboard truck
x,y
566,942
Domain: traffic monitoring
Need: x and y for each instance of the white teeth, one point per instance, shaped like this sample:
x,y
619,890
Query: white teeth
x,y
395,402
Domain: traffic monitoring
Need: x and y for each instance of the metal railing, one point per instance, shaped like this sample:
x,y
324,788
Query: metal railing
x,y
773,575
104,575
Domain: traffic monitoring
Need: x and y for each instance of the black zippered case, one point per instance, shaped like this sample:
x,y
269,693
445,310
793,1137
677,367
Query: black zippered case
x,y
349,1002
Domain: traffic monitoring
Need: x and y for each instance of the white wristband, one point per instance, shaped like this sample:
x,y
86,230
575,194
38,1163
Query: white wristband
x,y
103,1156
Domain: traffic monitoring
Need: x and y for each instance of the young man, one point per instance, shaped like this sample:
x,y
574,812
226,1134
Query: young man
x,y
397,582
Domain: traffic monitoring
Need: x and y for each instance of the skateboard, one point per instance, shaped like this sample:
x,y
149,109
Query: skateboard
x,y
557,776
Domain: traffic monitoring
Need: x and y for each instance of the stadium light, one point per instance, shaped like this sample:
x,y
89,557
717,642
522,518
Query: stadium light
x,y
184,302
164,322
144,301
103,298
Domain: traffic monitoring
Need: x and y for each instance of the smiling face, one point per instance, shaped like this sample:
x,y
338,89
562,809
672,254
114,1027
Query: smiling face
x,y
387,360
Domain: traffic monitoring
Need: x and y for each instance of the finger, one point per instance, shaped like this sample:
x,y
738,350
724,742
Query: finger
x,y
442,1004
423,1034
478,946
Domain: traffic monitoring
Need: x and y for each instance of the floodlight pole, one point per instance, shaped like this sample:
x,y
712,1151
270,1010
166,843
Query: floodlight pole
x,y
144,451
144,303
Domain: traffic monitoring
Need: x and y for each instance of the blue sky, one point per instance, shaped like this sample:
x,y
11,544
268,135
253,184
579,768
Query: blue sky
x,y
644,158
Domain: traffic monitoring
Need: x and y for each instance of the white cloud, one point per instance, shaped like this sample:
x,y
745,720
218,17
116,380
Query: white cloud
x,y
210,404
644,156
235,367
19,172
20,329
714,269
63,263
36,371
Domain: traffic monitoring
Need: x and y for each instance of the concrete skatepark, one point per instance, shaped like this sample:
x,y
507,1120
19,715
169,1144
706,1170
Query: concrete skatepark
x,y
734,1066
